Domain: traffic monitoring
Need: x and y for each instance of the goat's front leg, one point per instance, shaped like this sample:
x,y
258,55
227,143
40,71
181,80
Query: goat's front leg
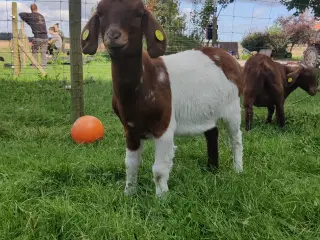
x,y
164,155
280,112
271,109
132,161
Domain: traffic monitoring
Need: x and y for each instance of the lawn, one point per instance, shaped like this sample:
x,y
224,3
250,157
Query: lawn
x,y
52,188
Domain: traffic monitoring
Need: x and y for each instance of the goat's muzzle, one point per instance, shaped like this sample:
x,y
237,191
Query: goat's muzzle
x,y
313,91
115,38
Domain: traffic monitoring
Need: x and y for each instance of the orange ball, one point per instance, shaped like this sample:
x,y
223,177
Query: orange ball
x,y
87,129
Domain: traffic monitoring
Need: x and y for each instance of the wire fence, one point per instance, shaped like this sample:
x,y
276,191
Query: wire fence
x,y
234,22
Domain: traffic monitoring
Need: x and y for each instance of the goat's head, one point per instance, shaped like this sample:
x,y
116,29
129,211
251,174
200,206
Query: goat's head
x,y
305,77
122,24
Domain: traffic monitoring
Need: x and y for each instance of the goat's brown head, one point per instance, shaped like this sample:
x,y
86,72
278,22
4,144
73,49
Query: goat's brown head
x,y
122,24
305,77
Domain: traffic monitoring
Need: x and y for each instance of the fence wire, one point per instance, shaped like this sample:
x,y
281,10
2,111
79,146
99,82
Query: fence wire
x,y
234,22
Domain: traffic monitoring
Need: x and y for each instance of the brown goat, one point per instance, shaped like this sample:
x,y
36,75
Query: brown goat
x,y
158,97
268,83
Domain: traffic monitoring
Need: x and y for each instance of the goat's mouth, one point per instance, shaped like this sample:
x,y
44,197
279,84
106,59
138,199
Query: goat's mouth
x,y
313,91
116,48
111,44
116,45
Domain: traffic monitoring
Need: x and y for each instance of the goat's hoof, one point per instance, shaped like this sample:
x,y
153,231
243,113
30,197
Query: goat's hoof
x,y
212,168
161,195
238,170
129,191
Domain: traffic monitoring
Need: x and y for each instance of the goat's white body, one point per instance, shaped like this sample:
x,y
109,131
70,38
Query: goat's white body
x,y
201,94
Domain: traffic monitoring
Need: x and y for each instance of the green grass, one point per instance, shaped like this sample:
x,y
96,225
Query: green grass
x,y
52,188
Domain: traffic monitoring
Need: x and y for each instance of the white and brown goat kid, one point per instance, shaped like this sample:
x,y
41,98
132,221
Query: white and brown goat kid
x,y
160,97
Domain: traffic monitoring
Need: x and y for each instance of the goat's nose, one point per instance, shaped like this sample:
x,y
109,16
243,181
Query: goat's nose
x,y
113,34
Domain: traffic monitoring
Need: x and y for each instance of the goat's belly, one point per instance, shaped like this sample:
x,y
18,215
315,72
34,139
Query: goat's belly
x,y
196,121
200,92
263,101
197,109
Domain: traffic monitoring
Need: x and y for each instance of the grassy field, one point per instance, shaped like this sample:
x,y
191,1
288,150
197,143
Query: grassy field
x,y
52,188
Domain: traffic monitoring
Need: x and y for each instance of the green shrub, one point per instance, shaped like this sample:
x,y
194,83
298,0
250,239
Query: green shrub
x,y
245,56
273,38
255,41
277,40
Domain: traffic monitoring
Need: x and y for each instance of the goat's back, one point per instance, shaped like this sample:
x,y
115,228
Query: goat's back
x,y
260,71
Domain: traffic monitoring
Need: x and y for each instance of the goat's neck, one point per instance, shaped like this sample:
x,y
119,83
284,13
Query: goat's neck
x,y
289,90
126,77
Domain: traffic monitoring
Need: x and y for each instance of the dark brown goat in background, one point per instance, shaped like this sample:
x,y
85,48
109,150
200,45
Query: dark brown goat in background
x,y
268,83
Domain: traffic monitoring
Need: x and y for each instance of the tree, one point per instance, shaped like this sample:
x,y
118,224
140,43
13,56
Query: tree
x,y
277,40
302,5
168,14
203,16
299,29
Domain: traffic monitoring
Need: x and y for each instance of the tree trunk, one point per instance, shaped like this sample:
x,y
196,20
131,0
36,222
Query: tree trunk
x,y
292,45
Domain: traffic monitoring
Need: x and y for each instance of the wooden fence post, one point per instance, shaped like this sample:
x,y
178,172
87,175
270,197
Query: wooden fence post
x,y
22,36
76,60
15,40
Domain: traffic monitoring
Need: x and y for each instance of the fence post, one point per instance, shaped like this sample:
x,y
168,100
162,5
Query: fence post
x,y
15,40
22,37
76,60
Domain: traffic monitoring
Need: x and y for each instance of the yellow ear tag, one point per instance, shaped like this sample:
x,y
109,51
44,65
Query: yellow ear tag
x,y
159,35
85,34
289,80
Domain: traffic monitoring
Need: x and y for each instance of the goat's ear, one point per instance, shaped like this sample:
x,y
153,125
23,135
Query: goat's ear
x,y
90,35
293,74
155,36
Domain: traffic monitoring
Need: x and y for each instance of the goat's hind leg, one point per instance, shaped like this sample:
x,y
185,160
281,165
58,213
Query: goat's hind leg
x,y
212,148
249,99
233,122
279,102
271,109
164,154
